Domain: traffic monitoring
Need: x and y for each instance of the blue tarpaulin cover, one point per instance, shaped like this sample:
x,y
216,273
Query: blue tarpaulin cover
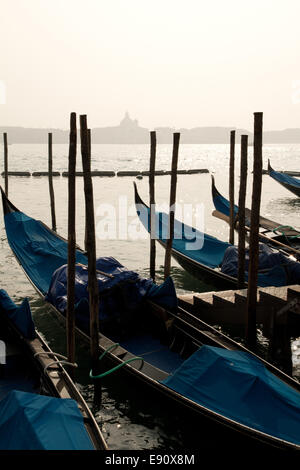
x,y
279,270
44,255
189,241
37,422
284,178
20,315
114,305
215,253
238,386
39,250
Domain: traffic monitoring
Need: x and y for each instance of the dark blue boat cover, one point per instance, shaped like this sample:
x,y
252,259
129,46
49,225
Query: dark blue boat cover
x,y
39,250
37,422
222,205
20,315
236,385
284,178
44,255
189,241
119,296
278,269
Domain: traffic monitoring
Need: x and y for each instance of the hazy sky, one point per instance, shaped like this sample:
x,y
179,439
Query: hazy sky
x,y
174,63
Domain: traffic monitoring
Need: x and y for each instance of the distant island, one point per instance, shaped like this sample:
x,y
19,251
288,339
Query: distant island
x,y
129,132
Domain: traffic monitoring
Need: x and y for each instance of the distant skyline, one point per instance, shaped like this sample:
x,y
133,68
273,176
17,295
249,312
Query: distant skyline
x,y
128,131
168,63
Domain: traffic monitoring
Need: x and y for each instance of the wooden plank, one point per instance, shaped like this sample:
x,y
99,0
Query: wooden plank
x,y
44,173
219,301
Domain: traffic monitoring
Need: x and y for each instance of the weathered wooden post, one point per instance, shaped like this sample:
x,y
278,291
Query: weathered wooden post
x,y
241,212
231,187
5,163
152,203
254,231
91,241
50,176
86,208
71,240
170,235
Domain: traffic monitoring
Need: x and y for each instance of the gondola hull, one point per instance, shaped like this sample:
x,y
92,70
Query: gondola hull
x,y
33,373
196,334
216,261
279,236
212,277
288,182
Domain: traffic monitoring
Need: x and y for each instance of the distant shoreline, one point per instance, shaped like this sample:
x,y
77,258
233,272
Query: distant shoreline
x,y
129,132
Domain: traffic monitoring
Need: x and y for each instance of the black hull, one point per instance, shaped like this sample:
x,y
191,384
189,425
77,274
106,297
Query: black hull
x,y
290,188
201,272
39,357
289,237
293,189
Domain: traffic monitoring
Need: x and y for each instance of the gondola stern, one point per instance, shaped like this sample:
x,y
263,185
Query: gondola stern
x,y
137,198
214,191
269,166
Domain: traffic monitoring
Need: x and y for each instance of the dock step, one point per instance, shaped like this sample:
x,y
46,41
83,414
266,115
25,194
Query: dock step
x,y
230,307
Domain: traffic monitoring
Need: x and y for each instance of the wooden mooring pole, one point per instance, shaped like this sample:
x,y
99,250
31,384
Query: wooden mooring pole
x,y
152,203
91,241
71,241
254,231
170,235
50,176
241,212
86,207
231,187
5,163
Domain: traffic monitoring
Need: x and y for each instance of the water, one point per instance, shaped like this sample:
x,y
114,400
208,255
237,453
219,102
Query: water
x,y
131,418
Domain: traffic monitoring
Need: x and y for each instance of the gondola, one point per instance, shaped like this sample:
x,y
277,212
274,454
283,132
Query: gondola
x,y
288,182
215,262
281,236
174,354
203,265
40,406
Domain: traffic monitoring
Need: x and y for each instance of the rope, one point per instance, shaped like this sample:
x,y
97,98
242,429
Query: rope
x,y
66,363
280,227
50,353
110,371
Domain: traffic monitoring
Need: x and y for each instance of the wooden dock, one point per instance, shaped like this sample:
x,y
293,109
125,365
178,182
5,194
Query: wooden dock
x,y
229,307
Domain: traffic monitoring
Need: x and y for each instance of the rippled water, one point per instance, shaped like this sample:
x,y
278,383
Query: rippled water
x,y
130,417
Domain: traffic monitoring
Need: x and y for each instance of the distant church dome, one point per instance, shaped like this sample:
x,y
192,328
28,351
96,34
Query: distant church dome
x,y
128,122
